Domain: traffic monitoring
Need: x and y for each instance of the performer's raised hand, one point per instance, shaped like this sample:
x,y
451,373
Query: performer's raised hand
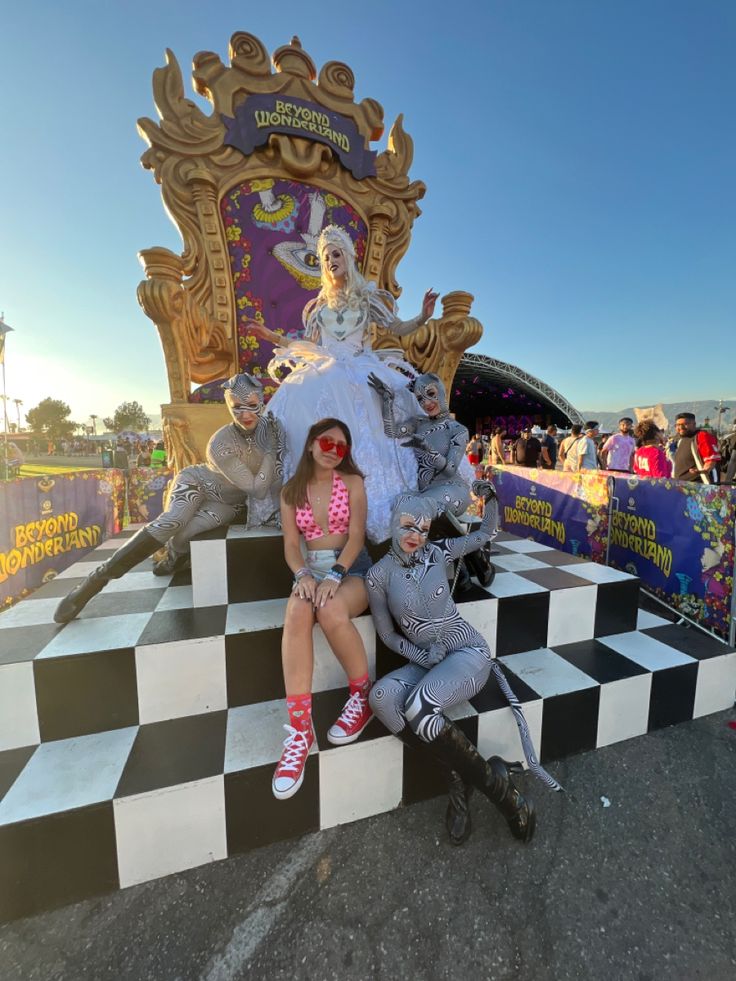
x,y
483,489
260,330
381,387
428,302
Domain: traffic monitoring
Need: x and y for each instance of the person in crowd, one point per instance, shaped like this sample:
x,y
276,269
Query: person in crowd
x,y
650,459
158,454
497,451
330,369
449,662
576,434
120,456
474,450
144,456
527,449
618,450
243,462
549,448
697,457
323,506
728,454
582,453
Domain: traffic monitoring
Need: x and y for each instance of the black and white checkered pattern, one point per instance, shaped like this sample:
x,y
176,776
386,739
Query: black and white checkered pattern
x,y
140,739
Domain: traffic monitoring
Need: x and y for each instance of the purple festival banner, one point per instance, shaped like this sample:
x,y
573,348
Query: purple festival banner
x,y
50,522
147,488
565,511
678,538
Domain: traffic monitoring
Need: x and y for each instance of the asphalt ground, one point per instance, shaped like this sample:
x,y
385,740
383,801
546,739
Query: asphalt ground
x,y
639,890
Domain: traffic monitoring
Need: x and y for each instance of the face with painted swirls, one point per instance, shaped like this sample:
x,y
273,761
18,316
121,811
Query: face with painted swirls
x,y
413,532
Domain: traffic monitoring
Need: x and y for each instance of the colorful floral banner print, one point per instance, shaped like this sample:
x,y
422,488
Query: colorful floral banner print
x,y
678,538
147,488
50,522
272,229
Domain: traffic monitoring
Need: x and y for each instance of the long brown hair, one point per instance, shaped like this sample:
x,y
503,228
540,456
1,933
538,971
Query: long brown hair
x,y
294,491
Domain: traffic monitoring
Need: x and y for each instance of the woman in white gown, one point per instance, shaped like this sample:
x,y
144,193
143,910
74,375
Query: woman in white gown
x,y
329,375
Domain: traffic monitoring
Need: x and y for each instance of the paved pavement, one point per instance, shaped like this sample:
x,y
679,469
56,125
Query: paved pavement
x,y
640,890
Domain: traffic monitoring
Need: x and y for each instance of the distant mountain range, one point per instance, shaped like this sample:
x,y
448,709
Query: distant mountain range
x,y
706,408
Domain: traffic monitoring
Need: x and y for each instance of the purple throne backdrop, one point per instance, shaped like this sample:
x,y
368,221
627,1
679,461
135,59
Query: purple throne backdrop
x,y
272,229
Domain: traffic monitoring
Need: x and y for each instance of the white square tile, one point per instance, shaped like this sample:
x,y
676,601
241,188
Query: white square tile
x,y
328,673
498,733
360,780
646,620
18,714
571,615
255,735
209,572
716,686
184,677
166,831
509,584
595,572
547,673
68,773
137,580
176,598
29,612
518,563
261,615
522,545
78,570
97,634
623,709
483,615
645,650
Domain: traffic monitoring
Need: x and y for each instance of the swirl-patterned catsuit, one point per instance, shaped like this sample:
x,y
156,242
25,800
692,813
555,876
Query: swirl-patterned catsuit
x,y
205,496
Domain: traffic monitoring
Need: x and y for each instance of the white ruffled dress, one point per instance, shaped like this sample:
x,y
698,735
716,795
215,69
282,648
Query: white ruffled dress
x,y
329,378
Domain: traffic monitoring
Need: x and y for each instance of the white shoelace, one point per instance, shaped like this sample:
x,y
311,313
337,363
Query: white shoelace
x,y
353,709
296,746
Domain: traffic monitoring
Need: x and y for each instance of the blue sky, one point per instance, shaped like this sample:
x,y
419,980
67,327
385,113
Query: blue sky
x,y
578,154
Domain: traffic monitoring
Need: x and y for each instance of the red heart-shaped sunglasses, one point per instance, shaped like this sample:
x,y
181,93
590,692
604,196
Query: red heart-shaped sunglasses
x,y
327,445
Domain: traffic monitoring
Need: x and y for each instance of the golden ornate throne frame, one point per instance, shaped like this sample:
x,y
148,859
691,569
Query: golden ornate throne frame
x,y
190,297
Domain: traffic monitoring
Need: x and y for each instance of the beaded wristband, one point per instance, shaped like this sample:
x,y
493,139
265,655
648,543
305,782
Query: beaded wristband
x,y
300,573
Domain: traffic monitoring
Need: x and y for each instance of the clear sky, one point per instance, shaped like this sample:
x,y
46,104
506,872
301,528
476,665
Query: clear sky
x,y
579,157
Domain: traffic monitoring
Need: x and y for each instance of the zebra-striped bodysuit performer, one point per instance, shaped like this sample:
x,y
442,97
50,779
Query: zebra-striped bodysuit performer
x,y
244,462
450,661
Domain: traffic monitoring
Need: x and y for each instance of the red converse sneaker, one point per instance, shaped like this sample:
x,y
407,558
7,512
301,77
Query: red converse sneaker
x,y
353,719
289,774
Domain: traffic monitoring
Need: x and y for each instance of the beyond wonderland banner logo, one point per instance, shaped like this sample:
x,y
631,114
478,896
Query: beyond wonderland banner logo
x,y
38,540
260,115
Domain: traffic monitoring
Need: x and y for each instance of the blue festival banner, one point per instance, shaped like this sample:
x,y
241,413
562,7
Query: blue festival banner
x,y
678,538
564,511
52,521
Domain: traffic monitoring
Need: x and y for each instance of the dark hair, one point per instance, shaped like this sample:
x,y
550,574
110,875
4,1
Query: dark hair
x,y
294,491
591,425
685,415
576,429
626,419
646,430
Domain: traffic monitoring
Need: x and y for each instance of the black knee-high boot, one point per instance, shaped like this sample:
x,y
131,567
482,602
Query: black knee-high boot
x,y
137,548
457,816
491,777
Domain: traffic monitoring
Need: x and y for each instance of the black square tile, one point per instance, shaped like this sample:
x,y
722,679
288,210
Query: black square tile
x,y
182,578
253,667
598,661
24,643
94,692
12,762
327,706
56,587
522,623
617,607
187,624
471,595
689,640
57,859
569,723
506,536
256,570
673,696
114,604
490,697
423,776
214,535
557,558
178,751
553,578
254,817
387,660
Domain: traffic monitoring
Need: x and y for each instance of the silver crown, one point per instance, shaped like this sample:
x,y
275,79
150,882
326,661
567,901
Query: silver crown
x,y
334,235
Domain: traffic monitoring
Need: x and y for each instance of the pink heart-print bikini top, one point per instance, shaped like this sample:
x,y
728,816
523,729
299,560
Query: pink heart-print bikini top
x,y
338,513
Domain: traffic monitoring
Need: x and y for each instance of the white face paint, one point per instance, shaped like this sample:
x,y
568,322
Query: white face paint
x,y
334,265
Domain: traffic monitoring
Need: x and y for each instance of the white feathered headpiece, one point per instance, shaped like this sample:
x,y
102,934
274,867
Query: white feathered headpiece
x,y
334,235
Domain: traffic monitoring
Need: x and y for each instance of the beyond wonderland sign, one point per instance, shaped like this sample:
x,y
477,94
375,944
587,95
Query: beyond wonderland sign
x,y
260,115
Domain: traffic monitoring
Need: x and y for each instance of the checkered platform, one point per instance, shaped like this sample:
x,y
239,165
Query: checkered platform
x,y
140,739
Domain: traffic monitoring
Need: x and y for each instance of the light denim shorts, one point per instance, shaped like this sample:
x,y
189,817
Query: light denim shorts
x,y
321,560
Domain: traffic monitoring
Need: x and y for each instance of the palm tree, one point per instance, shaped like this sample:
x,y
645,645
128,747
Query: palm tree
x,y
18,404
93,417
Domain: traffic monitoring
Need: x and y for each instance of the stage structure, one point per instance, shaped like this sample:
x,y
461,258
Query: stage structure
x,y
487,393
285,152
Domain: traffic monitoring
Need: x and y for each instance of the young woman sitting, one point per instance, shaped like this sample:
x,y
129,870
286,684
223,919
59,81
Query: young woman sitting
x,y
324,504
